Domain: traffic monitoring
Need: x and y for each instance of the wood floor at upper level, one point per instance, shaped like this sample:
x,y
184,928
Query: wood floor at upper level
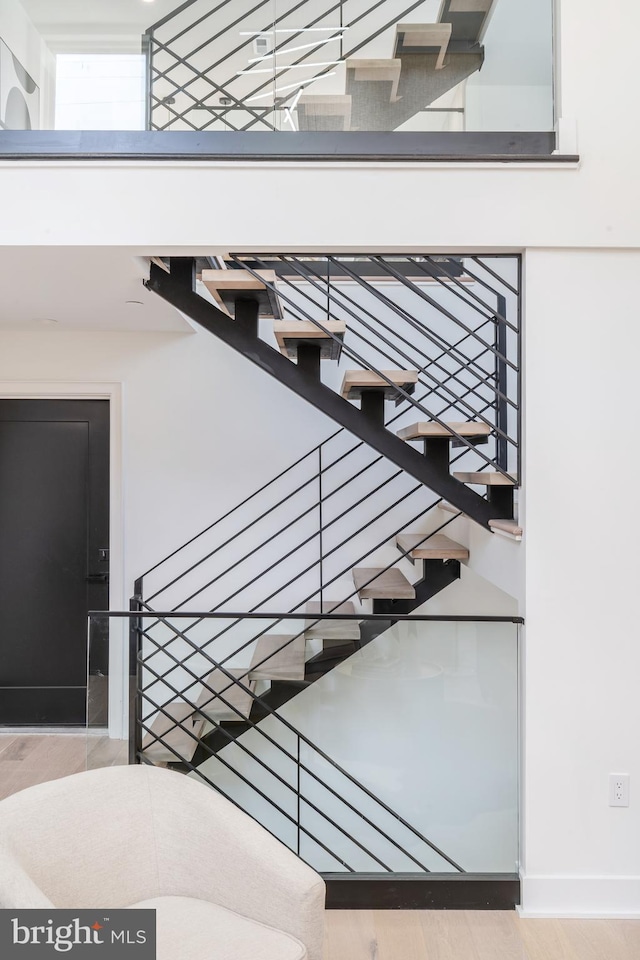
x,y
26,759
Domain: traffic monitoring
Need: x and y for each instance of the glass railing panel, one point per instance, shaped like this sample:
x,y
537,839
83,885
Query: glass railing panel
x,y
365,744
107,638
514,89
435,66
424,718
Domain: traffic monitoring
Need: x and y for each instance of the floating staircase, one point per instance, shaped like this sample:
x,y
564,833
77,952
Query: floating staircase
x,y
428,60
252,314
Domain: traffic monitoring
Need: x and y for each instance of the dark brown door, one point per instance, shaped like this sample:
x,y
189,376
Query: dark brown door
x,y
54,539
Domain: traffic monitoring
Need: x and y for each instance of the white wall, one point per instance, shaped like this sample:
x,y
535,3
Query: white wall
x,y
485,206
582,657
185,458
181,458
27,45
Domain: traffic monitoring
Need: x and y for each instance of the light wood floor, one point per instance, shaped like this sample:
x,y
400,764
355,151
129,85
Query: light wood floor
x,y
35,758
475,935
363,934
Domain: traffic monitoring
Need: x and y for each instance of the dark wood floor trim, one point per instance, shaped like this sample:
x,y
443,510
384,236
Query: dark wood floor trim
x,y
467,147
434,891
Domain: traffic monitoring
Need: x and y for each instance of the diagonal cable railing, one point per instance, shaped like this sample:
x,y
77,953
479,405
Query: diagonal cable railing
x,y
357,445
400,391
238,682
274,743
448,349
459,289
365,556
402,313
310,567
310,621
204,73
451,351
245,501
175,669
418,516
451,404
467,334
338,576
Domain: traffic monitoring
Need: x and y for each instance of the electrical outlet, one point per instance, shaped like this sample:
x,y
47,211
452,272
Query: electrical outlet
x,y
618,789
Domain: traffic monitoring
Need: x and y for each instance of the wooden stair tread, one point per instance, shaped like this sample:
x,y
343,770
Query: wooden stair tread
x,y
376,583
225,286
183,741
317,110
417,37
331,629
239,701
449,508
342,100
275,659
290,333
509,527
355,381
429,428
486,478
436,547
375,71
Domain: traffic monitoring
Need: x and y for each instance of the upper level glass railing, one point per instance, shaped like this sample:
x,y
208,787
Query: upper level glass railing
x,y
430,67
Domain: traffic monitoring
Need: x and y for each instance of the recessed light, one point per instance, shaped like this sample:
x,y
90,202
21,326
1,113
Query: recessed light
x,y
46,320
140,302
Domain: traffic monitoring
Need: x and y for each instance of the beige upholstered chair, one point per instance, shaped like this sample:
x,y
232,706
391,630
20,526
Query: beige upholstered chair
x,y
139,836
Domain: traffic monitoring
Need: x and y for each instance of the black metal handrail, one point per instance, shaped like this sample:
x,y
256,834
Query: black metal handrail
x,y
292,615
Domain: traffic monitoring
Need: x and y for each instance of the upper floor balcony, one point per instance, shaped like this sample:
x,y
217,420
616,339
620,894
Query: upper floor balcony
x,y
264,79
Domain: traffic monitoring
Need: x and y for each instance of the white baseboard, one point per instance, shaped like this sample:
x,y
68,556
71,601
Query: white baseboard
x,y
596,897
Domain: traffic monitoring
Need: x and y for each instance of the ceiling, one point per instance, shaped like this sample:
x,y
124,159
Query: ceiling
x,y
77,15
81,289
